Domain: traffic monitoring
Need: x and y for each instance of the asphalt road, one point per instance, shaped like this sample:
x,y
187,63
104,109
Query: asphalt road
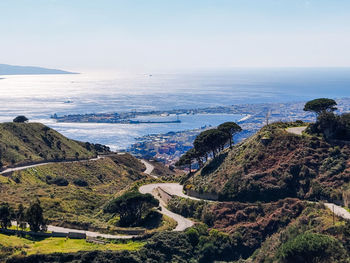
x,y
173,189
51,228
19,168
338,210
149,168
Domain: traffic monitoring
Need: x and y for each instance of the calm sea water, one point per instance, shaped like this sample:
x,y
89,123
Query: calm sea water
x,y
39,96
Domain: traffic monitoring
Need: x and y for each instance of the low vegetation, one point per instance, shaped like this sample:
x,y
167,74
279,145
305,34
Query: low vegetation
x,y
71,193
249,224
22,143
275,164
195,245
312,237
24,246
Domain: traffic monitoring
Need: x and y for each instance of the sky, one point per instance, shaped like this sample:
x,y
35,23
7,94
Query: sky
x,y
174,34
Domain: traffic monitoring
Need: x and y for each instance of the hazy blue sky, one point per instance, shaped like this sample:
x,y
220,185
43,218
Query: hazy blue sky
x,y
174,34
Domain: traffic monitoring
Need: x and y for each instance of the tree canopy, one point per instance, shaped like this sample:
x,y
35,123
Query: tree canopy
x,y
131,207
332,126
5,215
210,141
230,128
35,218
320,105
187,158
20,119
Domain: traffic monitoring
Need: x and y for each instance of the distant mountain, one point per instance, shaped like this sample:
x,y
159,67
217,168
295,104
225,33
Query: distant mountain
x,y
24,70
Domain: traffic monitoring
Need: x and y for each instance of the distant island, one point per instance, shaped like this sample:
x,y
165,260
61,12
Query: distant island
x,y
28,70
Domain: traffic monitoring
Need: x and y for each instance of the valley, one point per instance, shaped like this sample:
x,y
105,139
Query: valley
x,y
259,192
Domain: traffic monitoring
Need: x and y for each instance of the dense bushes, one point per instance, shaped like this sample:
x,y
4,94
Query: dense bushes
x,y
80,182
332,126
311,247
59,181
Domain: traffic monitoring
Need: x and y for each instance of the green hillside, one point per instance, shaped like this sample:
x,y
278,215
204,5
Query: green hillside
x,y
71,192
275,164
22,143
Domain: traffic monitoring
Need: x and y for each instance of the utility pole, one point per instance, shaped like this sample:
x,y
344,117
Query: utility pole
x,y
333,216
267,117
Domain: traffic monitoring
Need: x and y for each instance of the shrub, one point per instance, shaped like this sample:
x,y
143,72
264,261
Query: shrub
x,y
59,181
131,207
20,119
80,182
311,247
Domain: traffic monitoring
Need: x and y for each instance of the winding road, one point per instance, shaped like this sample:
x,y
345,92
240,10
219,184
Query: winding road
x,y
171,189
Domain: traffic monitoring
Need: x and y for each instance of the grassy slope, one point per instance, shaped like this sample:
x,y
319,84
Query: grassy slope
x,y
104,179
32,142
18,245
287,166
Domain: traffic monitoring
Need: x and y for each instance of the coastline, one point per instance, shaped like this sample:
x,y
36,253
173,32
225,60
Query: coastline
x,y
247,117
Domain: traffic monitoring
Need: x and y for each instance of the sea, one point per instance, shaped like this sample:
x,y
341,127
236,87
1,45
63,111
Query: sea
x,y
40,96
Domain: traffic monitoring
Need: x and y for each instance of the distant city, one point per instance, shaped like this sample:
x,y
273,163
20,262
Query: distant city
x,y
168,147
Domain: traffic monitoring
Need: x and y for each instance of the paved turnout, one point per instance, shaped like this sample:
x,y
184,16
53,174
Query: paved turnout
x,y
296,130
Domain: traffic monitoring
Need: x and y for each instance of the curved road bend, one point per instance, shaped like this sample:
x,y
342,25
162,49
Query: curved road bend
x,y
176,189
149,168
173,189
